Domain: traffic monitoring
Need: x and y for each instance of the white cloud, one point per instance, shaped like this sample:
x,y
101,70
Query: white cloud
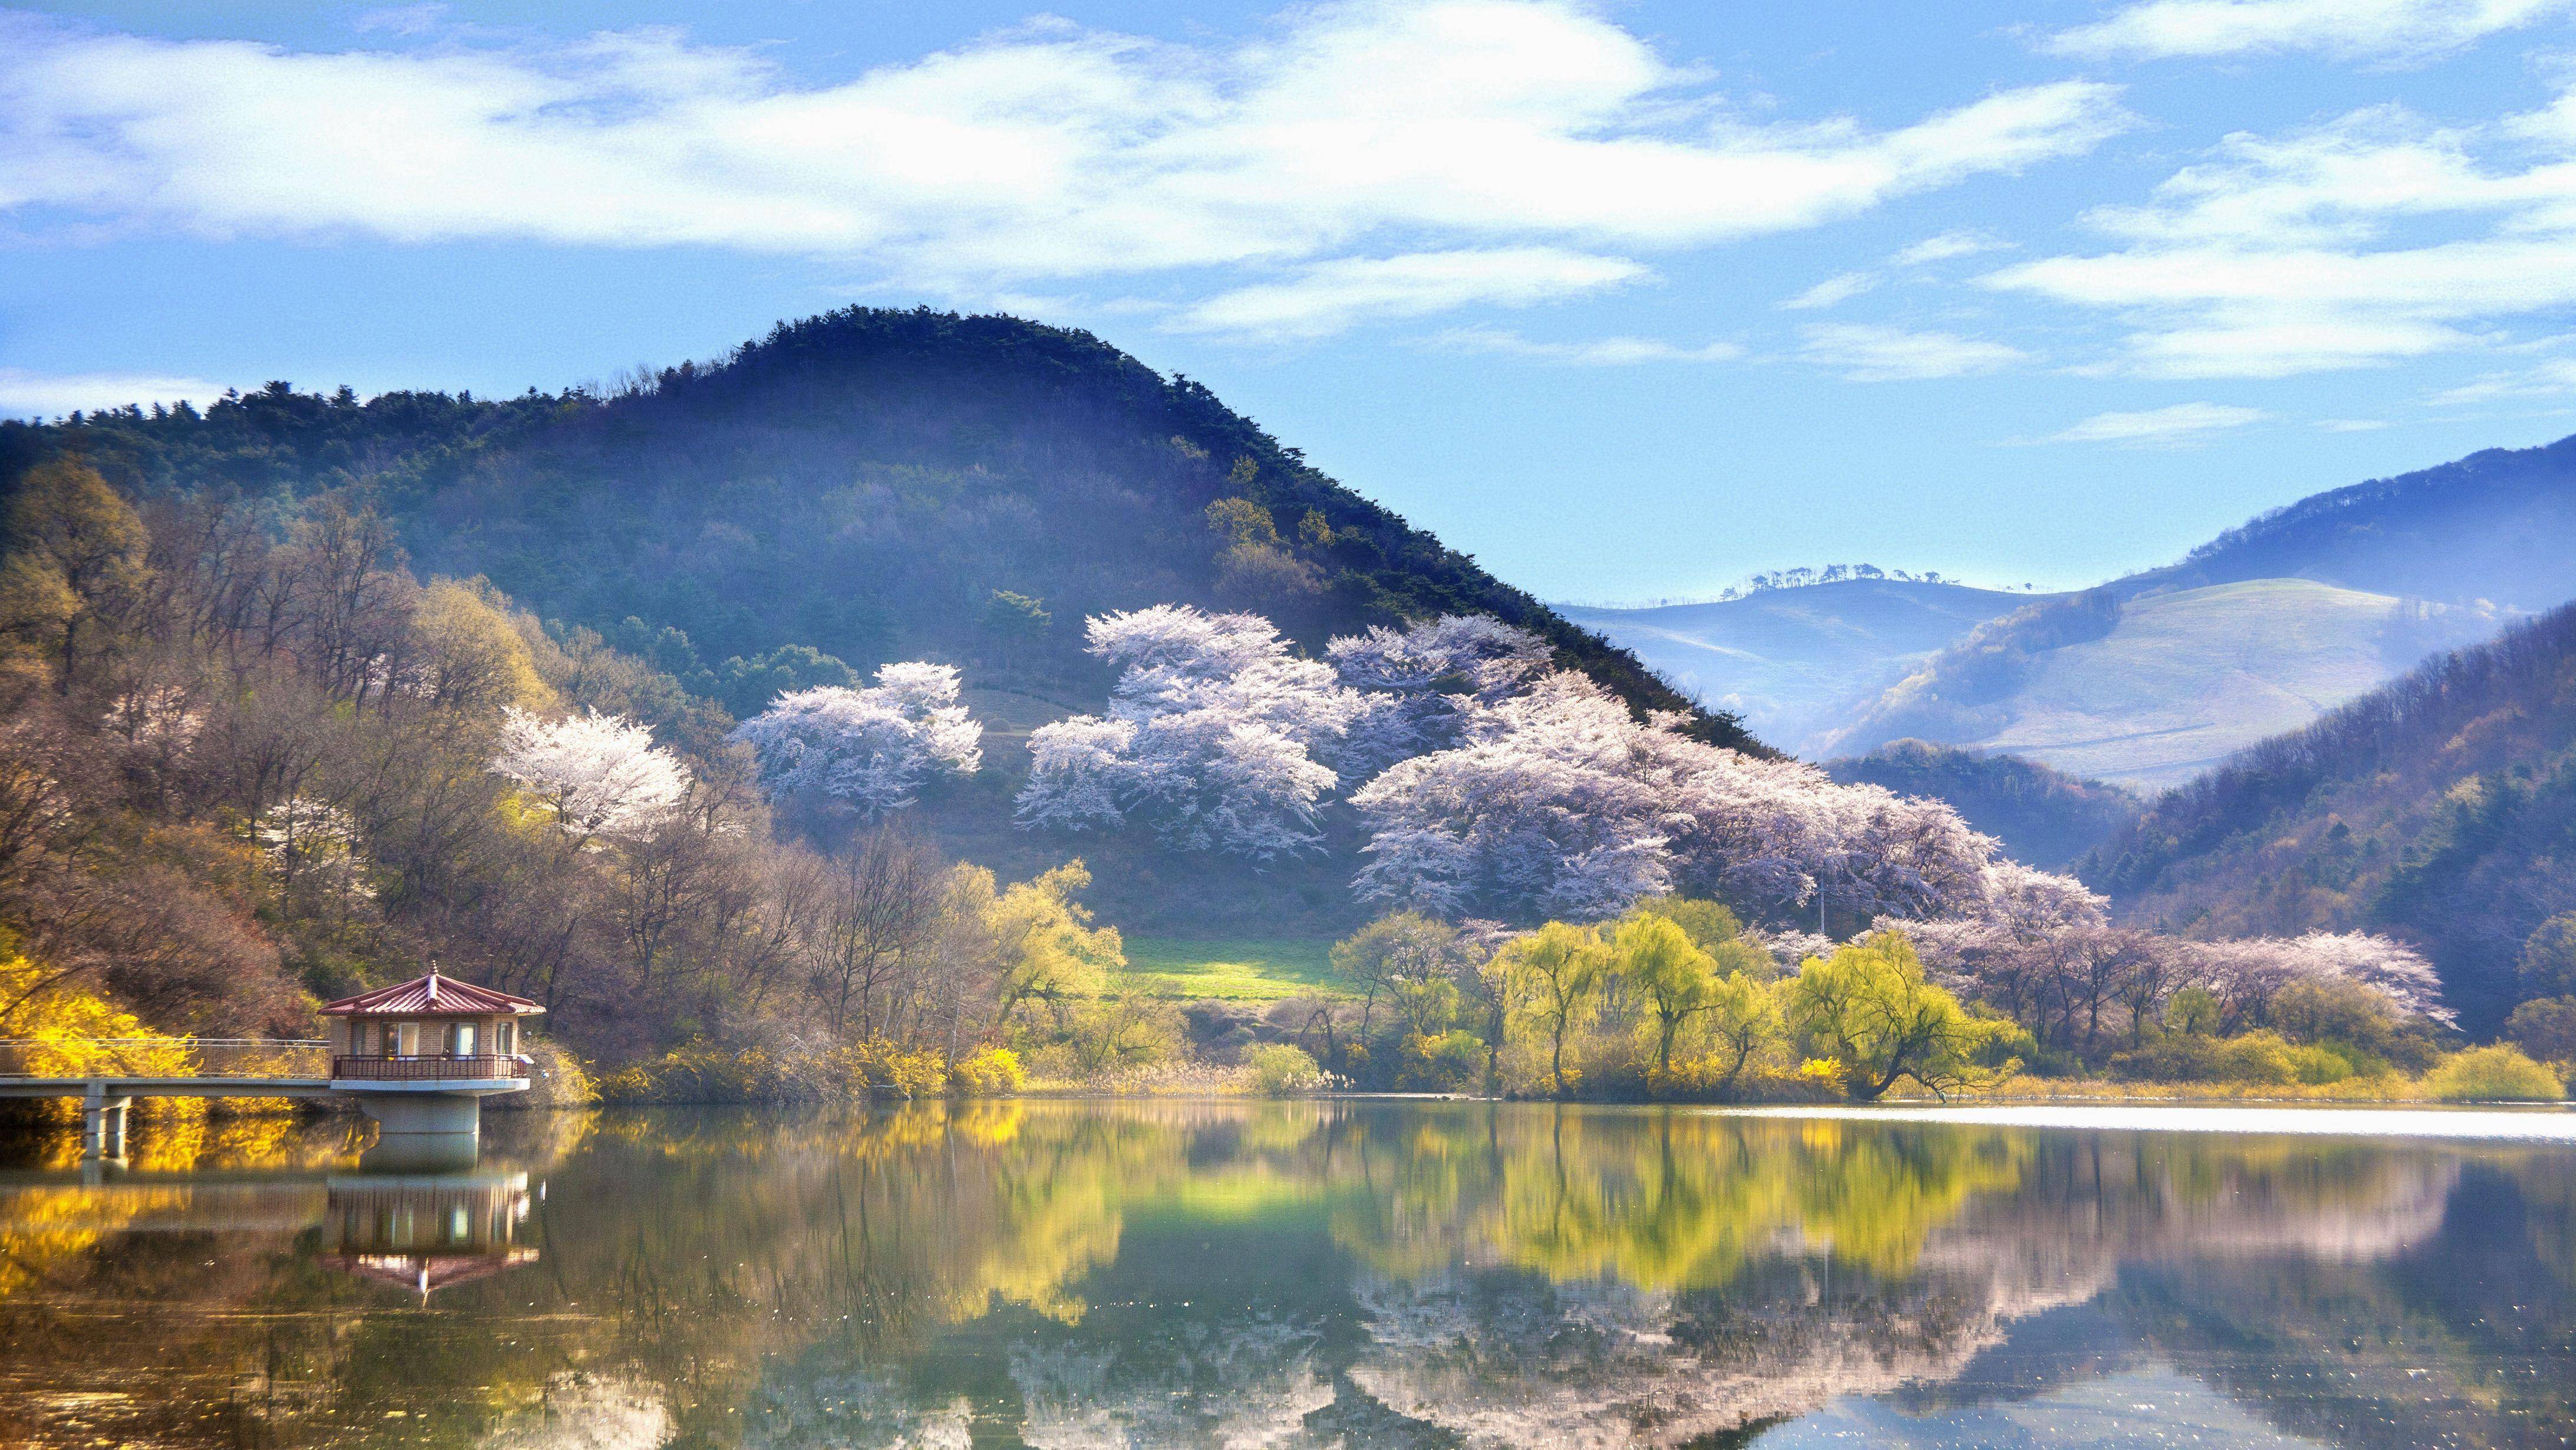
x,y
2179,424
1588,352
1832,291
1329,296
1341,133
2351,425
2554,378
2350,29
1944,247
1870,354
2373,239
26,394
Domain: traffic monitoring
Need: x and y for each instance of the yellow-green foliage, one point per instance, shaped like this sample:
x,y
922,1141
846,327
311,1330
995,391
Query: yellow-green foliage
x,y
987,1073
704,1073
471,654
1869,1009
2497,1074
65,1031
1280,1069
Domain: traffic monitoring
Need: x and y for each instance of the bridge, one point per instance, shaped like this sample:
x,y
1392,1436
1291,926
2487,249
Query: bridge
x,y
428,1094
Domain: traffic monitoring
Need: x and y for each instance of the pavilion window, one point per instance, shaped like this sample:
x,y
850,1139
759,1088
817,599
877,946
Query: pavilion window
x,y
505,1038
460,1039
406,1039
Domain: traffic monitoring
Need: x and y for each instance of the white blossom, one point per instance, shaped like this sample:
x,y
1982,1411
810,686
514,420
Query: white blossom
x,y
601,776
1420,683
1209,738
310,840
871,748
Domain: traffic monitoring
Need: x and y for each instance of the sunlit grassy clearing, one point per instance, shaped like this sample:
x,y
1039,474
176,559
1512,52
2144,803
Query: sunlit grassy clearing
x,y
1234,969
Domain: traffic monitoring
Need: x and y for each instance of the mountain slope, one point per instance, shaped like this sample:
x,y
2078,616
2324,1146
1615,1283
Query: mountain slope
x,y
871,486
860,483
2044,818
2149,690
2441,806
2492,526
1797,662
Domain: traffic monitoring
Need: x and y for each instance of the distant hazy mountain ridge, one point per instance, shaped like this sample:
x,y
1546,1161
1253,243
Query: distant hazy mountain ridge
x,y
2153,678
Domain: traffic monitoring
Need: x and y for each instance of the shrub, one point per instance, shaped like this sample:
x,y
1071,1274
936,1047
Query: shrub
x,y
1440,1064
1281,1070
2256,1059
989,1073
2497,1074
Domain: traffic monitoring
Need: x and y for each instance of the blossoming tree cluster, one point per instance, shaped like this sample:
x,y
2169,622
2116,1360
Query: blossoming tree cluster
x,y
871,749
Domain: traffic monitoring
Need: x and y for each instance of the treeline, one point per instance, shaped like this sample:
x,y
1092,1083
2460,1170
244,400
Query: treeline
x,y
1677,1000
2440,805
248,759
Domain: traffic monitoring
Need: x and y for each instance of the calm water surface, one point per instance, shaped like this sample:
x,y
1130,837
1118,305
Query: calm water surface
x,y
1363,1274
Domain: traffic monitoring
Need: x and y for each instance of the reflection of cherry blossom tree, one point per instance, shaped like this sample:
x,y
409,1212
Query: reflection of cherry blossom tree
x,y
600,776
870,748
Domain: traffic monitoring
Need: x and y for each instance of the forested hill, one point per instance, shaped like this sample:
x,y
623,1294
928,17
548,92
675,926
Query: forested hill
x,y
868,485
2441,806
2493,526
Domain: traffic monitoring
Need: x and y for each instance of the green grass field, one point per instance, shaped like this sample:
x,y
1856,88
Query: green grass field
x,y
1233,969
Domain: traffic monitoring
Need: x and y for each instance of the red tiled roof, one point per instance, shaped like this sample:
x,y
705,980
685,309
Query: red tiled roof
x,y
432,993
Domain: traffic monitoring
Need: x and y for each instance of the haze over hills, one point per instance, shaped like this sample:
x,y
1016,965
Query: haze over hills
x,y
2152,678
1797,663
2441,806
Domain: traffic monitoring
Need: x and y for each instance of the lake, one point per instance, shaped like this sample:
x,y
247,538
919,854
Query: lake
x,y
1365,1273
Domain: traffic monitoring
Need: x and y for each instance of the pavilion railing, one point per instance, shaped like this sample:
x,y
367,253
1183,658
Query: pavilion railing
x,y
378,1068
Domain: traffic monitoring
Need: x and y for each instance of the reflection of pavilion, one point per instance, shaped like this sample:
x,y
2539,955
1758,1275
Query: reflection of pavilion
x,y
425,1232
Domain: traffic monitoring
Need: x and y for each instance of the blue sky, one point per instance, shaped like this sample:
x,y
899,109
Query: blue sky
x,y
1629,300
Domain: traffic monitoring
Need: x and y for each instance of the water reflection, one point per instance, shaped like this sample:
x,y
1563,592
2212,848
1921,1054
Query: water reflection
x,y
1064,1274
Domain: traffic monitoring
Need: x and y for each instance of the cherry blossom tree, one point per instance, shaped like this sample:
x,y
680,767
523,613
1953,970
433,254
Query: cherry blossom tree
x,y
1560,803
871,749
1211,736
600,776
1421,683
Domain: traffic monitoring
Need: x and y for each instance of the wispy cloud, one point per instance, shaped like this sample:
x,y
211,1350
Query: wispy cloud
x,y
2349,29
2552,379
1832,291
1327,297
1944,247
27,394
2370,240
2351,425
2180,424
1596,352
1343,134
1870,354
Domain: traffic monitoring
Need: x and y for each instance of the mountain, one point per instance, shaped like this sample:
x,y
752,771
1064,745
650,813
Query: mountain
x,y
2491,527
2148,689
864,487
2440,806
2044,817
2155,677
1798,662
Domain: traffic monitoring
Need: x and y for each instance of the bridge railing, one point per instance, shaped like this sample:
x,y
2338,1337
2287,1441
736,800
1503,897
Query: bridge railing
x,y
59,1057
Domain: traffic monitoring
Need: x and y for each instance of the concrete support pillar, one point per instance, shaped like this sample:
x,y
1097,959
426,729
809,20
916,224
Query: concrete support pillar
x,y
103,1124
